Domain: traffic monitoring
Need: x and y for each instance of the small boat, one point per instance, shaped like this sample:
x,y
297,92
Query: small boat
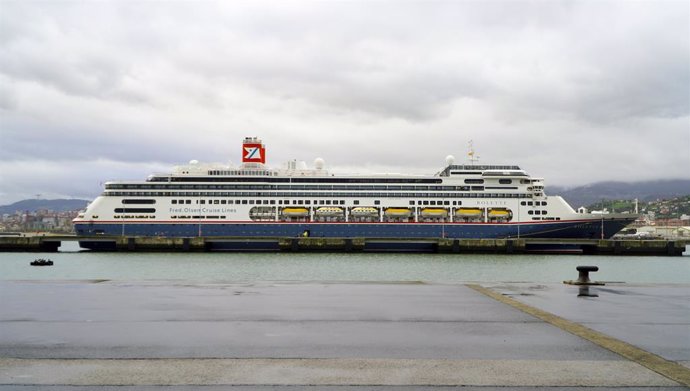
x,y
469,212
329,211
398,212
41,262
364,211
500,213
434,212
295,212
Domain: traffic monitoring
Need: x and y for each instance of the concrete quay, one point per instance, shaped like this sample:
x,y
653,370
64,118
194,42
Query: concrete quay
x,y
440,245
75,335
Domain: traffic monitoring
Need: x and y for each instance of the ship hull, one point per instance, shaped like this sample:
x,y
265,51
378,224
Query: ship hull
x,y
572,229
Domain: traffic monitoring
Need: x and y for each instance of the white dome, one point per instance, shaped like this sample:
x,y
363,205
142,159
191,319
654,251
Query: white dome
x,y
319,163
193,162
450,159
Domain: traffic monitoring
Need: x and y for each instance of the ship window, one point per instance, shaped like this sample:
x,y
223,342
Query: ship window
x,y
135,210
529,203
543,203
300,202
426,202
307,202
328,202
244,202
377,202
273,202
223,202
411,202
174,201
355,202
530,212
188,201
505,181
432,202
135,201
475,181
342,202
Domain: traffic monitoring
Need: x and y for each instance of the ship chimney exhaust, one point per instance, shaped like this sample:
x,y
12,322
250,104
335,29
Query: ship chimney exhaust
x,y
253,150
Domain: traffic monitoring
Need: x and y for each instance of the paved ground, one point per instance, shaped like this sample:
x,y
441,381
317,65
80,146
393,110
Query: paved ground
x,y
76,334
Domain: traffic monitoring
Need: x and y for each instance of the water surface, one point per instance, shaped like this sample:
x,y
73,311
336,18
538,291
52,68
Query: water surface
x,y
72,264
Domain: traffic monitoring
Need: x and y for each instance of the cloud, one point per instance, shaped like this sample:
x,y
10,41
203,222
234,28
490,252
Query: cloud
x,y
574,91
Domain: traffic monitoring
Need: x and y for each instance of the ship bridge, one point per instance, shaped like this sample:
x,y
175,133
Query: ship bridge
x,y
472,169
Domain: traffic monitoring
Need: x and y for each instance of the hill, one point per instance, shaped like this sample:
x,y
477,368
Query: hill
x,y
643,191
60,205
669,208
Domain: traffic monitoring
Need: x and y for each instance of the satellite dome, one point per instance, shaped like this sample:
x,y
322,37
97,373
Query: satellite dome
x,y
319,163
193,162
450,159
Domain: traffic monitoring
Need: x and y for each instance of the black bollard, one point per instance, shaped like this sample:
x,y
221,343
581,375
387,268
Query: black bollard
x,y
583,277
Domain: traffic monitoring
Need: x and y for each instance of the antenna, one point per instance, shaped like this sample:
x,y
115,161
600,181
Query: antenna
x,y
472,157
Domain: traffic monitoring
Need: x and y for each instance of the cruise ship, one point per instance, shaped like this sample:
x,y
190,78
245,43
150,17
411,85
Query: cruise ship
x,y
253,200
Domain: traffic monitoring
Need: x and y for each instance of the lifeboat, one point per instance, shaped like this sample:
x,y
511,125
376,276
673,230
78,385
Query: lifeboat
x,y
434,212
499,213
469,212
364,211
398,212
329,211
295,212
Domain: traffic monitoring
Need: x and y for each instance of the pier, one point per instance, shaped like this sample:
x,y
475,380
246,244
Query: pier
x,y
357,336
51,243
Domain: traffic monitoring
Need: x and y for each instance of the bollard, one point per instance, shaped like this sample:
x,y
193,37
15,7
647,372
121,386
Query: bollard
x,y
583,277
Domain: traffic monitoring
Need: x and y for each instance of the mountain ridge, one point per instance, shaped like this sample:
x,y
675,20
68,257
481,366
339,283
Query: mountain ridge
x,y
32,205
614,190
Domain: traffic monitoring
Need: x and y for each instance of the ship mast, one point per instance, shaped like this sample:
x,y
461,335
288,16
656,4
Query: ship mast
x,y
471,156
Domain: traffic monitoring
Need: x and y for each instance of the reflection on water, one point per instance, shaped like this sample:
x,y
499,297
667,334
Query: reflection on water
x,y
585,291
448,268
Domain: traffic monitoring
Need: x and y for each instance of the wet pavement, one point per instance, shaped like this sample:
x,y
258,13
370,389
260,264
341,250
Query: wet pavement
x,y
62,335
655,318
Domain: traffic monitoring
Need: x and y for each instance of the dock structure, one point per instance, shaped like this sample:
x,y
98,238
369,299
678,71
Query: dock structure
x,y
305,244
104,334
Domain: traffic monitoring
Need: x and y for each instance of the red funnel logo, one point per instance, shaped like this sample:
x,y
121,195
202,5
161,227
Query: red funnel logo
x,y
253,153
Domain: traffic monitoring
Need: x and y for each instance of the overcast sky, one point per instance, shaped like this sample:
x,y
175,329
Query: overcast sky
x,y
573,91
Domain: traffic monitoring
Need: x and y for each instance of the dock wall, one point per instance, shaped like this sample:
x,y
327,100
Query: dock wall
x,y
306,244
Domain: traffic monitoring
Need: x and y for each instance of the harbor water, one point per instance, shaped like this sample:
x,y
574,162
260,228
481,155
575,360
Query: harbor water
x,y
73,264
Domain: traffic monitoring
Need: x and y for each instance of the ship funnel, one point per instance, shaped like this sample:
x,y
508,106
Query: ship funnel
x,y
253,150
